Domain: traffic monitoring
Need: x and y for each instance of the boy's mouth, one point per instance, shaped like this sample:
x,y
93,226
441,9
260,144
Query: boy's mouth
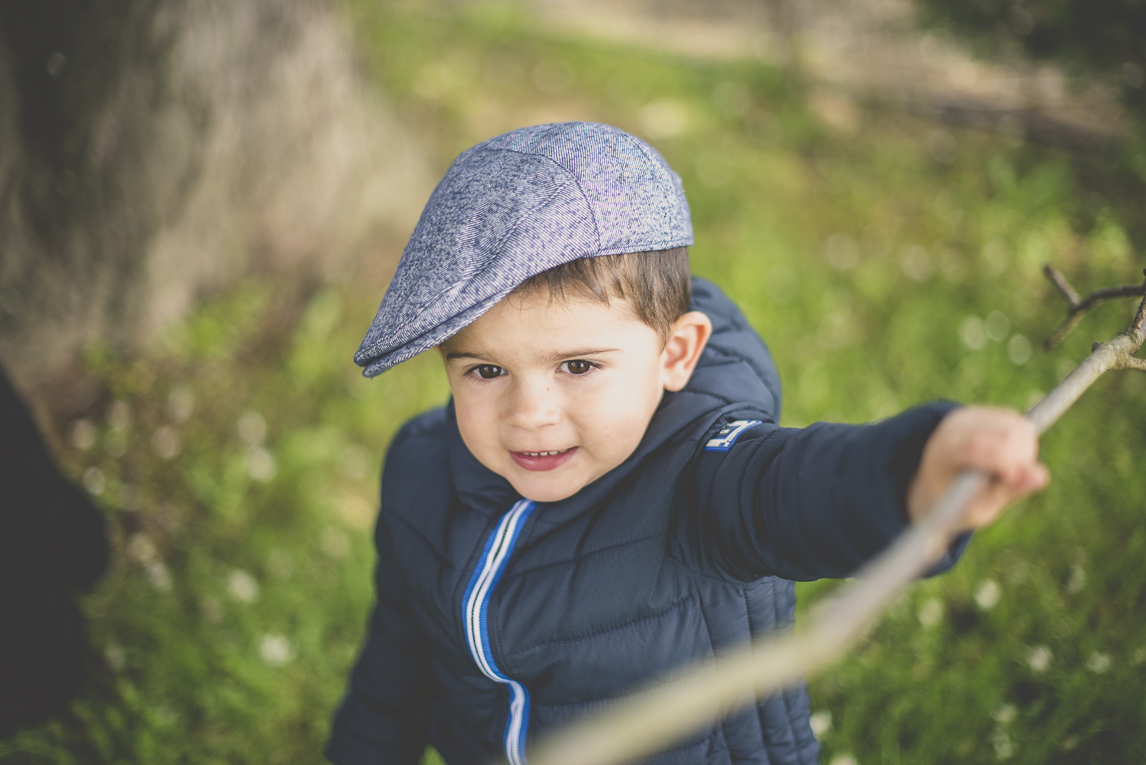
x,y
543,460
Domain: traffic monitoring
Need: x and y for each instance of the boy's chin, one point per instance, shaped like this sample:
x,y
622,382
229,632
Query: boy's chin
x,y
546,491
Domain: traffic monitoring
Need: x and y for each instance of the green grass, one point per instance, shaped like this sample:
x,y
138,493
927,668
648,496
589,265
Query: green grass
x,y
872,269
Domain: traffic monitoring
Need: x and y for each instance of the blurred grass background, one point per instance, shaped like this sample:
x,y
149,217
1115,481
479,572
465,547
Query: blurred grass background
x,y
887,260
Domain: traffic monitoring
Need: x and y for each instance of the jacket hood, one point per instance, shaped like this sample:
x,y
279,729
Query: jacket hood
x,y
735,376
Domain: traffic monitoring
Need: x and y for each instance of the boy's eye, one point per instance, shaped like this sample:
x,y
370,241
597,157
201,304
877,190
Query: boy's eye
x,y
488,371
577,367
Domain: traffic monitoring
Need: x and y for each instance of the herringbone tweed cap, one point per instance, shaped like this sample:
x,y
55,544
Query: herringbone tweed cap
x,y
512,207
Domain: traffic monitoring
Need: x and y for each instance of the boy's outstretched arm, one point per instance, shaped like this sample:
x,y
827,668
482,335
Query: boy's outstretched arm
x,y
823,500
997,442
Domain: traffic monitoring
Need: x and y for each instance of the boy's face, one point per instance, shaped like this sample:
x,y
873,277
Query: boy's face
x,y
551,395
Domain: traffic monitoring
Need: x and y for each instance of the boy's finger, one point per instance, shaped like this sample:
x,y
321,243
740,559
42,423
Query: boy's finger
x,y
989,505
1039,477
998,494
1000,447
1027,479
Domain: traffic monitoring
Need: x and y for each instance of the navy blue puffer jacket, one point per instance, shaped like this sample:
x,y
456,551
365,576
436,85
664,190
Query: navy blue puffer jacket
x,y
499,619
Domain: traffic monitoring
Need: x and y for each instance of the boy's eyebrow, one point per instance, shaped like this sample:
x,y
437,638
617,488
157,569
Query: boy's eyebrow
x,y
579,352
468,355
549,357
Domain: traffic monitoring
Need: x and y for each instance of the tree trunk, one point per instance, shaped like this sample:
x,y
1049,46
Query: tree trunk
x,y
155,150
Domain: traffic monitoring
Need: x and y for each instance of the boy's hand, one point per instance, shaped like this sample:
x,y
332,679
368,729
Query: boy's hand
x,y
998,442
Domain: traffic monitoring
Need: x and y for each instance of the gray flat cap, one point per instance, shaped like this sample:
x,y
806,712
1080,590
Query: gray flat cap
x,y
512,207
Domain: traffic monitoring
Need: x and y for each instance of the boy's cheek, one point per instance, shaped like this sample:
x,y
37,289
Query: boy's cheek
x,y
479,433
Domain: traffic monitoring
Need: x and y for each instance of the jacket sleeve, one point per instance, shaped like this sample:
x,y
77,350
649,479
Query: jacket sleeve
x,y
382,718
809,503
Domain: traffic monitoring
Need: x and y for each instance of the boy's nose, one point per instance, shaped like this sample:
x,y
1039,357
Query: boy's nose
x,y
534,405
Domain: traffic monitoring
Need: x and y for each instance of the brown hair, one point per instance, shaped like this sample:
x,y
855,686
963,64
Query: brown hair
x,y
655,284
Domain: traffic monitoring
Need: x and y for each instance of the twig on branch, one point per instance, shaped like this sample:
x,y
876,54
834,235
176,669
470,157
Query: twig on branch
x,y
1064,286
1079,306
652,719
1138,326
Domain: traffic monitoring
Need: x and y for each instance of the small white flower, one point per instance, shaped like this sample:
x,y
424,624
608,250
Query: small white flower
x,y
158,575
915,262
119,415
1098,662
261,465
998,325
1019,350
181,403
243,586
973,333
821,722
1039,658
276,650
1077,579
334,542
94,481
140,548
931,612
252,428
987,595
165,442
83,435
115,655
1005,714
837,330
1004,748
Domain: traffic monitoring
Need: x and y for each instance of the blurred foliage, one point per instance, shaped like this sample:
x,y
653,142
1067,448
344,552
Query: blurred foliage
x,y
887,260
1104,37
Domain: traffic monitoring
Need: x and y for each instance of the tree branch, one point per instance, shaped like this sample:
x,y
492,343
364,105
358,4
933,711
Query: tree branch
x,y
667,710
1064,286
1079,306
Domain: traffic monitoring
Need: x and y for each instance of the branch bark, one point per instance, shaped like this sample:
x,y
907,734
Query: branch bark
x,y
653,718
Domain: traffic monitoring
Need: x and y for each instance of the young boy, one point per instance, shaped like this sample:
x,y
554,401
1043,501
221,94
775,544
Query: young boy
x,y
608,495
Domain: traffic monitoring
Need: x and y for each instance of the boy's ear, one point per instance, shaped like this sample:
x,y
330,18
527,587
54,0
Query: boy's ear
x,y
689,335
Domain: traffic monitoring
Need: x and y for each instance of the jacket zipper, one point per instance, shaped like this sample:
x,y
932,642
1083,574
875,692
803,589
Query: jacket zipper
x,y
490,566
